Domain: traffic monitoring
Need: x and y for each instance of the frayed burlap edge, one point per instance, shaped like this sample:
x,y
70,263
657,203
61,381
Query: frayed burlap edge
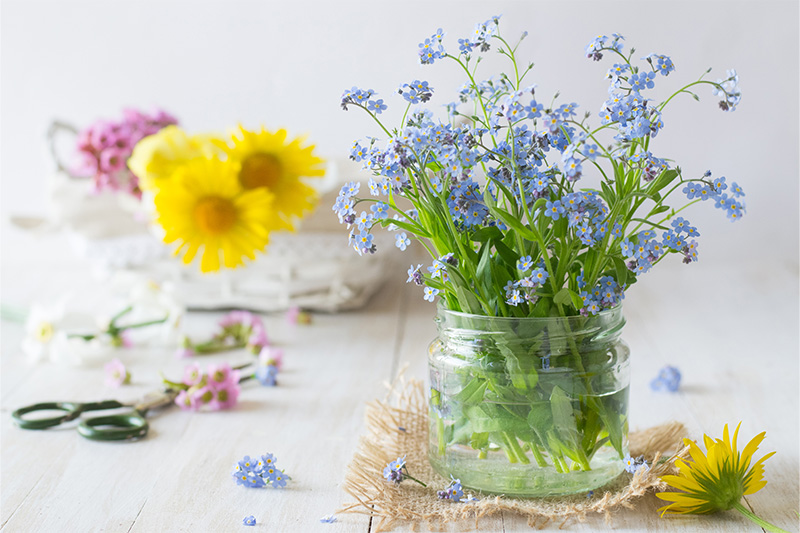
x,y
398,426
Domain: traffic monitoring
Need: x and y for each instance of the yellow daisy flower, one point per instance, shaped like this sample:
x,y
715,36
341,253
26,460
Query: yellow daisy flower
x,y
203,205
157,157
268,160
717,480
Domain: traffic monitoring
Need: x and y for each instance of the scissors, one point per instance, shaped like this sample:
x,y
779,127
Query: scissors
x,y
125,426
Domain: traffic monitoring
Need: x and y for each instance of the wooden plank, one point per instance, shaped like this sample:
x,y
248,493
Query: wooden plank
x,y
179,478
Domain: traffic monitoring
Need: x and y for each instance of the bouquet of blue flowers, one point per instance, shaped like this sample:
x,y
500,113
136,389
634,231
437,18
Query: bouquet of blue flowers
x,y
530,210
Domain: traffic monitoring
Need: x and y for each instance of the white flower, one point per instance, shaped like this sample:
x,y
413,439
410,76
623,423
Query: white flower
x,y
41,326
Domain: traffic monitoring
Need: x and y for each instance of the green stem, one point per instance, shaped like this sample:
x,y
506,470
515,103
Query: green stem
x,y
516,448
414,479
213,346
119,315
141,324
760,521
537,454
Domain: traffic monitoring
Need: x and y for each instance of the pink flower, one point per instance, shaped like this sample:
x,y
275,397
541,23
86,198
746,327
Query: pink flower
x,y
292,313
221,375
202,395
192,374
258,338
187,401
226,397
116,374
112,160
184,353
235,318
271,356
295,315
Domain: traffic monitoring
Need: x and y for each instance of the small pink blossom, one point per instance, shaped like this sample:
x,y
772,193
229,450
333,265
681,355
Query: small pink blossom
x,y
235,318
187,401
271,356
202,395
221,375
258,338
116,374
226,397
295,316
192,374
184,352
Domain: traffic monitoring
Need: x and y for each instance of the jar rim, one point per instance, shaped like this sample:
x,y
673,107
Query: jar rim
x,y
605,313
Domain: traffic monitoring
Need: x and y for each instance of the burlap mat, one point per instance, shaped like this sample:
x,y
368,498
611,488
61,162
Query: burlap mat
x,y
398,426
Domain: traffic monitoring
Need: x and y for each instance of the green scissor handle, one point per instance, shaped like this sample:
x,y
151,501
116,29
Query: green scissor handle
x,y
114,427
72,411
111,427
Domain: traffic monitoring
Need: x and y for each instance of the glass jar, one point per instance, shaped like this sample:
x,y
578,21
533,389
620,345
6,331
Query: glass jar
x,y
529,406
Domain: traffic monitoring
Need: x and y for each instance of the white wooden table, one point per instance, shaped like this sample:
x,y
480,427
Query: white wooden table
x,y
732,332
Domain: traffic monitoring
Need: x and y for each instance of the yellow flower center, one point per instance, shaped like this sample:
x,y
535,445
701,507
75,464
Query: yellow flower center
x,y
44,332
214,214
260,170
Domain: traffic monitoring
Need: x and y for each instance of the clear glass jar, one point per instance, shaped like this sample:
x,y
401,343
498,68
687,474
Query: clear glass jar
x,y
529,406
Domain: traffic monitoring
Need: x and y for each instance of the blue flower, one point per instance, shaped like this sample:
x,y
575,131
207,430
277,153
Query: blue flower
x,y
402,241
524,264
364,221
266,461
279,480
328,519
630,463
464,46
736,190
364,240
414,275
394,470
627,248
590,151
249,520
719,184
267,375
546,362
430,293
254,480
539,275
553,210
515,298
642,80
380,210
453,492
691,190
669,379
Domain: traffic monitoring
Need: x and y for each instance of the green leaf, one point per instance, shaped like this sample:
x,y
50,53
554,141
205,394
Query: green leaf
x,y
563,414
664,179
562,296
416,230
473,393
517,226
489,418
608,194
622,270
486,234
479,441
577,301
506,253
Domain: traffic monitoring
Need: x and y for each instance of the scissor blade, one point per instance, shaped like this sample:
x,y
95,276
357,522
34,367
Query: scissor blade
x,y
156,399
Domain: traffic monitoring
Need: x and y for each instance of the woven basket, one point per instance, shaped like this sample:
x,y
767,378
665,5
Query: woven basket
x,y
313,269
